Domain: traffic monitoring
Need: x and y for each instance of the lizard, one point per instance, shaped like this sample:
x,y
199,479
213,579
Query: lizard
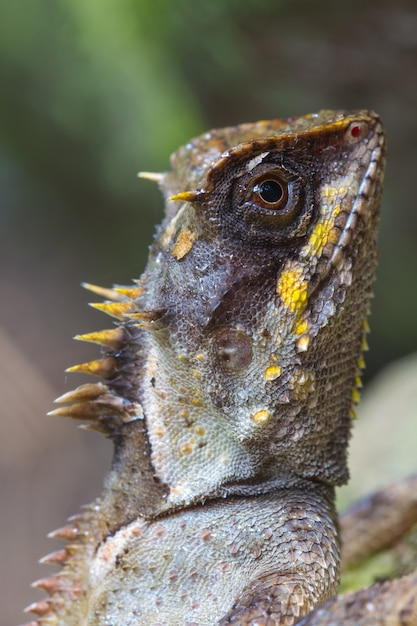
x,y
228,386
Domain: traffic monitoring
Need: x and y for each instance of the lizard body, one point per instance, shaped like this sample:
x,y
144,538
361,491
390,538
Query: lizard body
x,y
230,384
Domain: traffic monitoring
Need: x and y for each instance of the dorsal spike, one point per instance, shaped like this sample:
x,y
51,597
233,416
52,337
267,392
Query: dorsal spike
x,y
82,411
40,608
104,292
49,620
58,557
100,367
69,533
115,309
50,585
99,427
150,316
90,391
112,338
130,292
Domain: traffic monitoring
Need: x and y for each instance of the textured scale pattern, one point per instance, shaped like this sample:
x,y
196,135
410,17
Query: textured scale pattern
x,y
228,385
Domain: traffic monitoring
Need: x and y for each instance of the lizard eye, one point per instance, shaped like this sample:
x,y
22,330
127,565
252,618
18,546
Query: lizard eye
x,y
275,195
270,193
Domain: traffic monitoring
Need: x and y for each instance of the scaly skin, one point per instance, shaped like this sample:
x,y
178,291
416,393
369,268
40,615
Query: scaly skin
x,y
230,385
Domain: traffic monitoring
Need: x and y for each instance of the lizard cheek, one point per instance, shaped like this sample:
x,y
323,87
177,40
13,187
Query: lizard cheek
x,y
233,349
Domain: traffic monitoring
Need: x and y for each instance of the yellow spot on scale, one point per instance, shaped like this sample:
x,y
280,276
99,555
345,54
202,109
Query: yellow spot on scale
x,y
293,289
261,417
301,327
272,372
183,244
324,231
318,238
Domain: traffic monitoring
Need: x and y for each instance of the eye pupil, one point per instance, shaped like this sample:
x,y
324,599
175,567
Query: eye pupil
x,y
270,191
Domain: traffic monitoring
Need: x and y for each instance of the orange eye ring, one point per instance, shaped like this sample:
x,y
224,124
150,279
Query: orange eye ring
x,y
270,192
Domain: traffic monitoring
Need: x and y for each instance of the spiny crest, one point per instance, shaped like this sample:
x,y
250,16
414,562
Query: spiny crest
x,y
99,403
61,586
104,409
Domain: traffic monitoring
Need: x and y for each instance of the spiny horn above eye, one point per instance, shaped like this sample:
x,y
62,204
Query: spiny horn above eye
x,y
155,177
186,196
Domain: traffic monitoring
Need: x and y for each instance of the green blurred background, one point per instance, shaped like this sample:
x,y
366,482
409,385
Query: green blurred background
x,y
91,92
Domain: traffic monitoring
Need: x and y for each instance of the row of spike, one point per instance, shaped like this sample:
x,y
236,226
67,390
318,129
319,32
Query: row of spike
x,y
47,608
123,308
99,405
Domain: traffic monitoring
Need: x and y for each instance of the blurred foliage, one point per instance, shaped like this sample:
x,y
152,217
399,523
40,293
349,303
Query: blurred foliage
x,y
92,91
400,560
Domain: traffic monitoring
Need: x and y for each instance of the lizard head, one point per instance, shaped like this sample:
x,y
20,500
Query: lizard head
x,y
238,367
263,269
